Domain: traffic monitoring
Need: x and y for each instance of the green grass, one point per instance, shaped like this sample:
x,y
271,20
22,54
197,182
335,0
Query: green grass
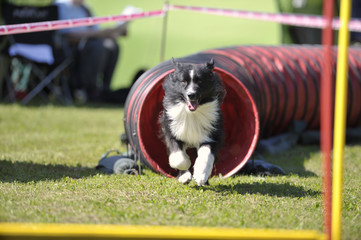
x,y
47,160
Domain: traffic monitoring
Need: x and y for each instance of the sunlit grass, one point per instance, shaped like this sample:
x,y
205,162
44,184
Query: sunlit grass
x,y
47,160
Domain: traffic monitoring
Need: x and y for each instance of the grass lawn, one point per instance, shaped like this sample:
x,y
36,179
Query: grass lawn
x,y
47,160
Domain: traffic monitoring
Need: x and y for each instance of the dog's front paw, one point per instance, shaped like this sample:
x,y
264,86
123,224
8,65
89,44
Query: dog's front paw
x,y
200,179
179,160
202,171
184,177
203,165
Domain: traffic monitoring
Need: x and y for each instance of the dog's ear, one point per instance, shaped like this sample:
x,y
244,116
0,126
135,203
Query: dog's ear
x,y
210,64
175,64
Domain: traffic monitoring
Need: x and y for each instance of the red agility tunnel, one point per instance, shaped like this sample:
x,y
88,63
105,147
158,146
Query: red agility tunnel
x,y
268,88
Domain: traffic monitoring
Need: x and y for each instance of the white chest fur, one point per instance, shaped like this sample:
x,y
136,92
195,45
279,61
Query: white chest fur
x,y
193,128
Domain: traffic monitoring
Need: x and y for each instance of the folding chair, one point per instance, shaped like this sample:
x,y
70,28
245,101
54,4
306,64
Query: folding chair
x,y
41,56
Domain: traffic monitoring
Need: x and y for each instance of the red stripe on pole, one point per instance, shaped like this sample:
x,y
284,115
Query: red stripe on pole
x,y
326,123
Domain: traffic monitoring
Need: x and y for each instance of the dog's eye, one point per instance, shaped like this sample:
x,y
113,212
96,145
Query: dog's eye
x,y
184,82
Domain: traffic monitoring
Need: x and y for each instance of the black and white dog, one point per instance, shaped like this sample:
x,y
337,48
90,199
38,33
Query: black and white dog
x,y
192,118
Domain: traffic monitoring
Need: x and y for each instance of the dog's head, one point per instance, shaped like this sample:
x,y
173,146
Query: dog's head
x,y
193,84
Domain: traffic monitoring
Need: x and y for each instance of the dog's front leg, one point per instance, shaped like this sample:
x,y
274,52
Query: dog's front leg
x,y
178,158
184,176
203,165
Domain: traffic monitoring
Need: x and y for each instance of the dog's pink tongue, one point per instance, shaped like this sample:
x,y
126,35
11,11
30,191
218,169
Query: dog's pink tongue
x,y
192,105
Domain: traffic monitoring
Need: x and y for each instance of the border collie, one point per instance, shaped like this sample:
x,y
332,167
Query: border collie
x,y
192,118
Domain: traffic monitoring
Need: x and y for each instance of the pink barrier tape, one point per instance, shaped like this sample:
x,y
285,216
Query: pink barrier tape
x,y
312,21
60,24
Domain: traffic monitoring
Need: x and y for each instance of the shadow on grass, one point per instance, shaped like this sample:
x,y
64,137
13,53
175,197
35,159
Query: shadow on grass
x,y
264,188
115,100
33,172
292,161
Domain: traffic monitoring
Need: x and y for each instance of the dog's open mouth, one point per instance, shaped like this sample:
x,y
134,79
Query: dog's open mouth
x,y
192,105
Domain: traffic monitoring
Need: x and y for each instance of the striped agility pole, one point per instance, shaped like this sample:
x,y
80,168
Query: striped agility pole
x,y
340,120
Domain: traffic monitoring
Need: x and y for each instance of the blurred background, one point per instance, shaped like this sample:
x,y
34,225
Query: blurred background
x,y
188,32
191,32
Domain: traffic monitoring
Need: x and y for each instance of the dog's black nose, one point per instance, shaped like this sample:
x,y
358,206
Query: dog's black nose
x,y
192,96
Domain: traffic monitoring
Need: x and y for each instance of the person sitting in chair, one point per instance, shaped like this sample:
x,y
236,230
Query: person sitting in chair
x,y
95,52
